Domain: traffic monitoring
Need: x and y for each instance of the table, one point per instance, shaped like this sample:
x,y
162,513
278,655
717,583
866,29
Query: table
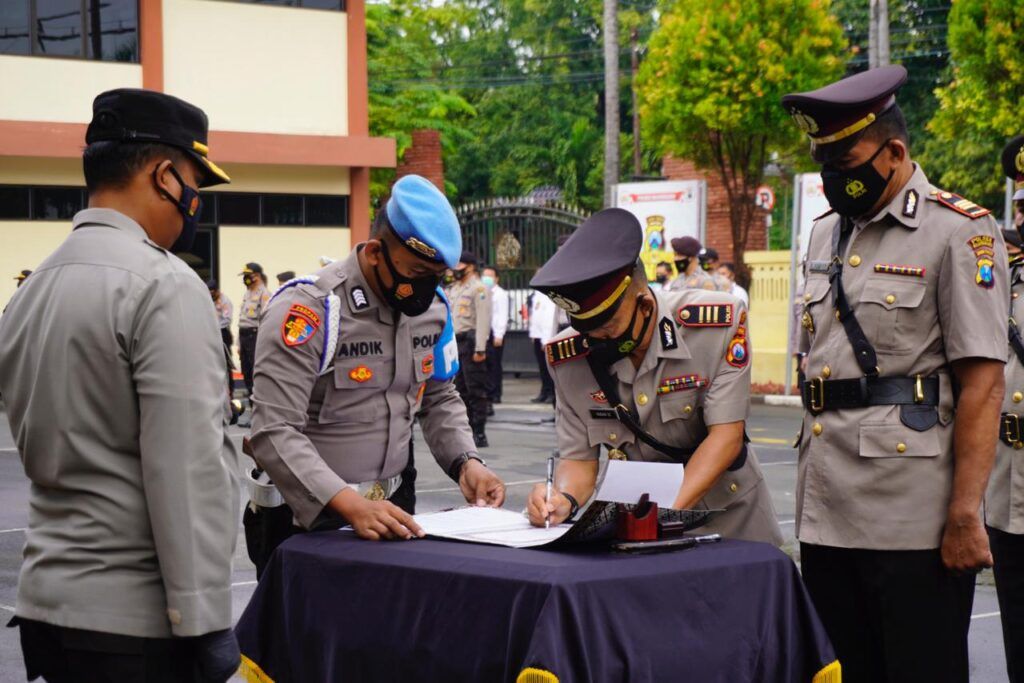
x,y
332,607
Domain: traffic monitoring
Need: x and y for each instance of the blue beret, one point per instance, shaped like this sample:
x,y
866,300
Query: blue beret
x,y
424,221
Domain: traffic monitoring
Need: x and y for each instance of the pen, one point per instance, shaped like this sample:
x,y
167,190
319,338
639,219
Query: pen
x,y
547,496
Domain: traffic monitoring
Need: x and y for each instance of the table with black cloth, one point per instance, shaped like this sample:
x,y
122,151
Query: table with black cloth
x,y
332,607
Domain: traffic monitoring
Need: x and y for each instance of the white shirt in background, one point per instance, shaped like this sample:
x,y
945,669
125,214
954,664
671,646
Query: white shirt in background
x,y
543,318
499,311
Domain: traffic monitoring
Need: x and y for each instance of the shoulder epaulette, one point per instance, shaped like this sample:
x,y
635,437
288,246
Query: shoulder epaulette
x,y
705,315
958,203
824,215
567,349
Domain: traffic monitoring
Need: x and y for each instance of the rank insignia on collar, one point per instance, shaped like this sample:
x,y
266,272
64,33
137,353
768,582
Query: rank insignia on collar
x,y
599,397
682,383
567,349
958,204
668,334
359,300
299,325
360,374
910,201
891,269
705,315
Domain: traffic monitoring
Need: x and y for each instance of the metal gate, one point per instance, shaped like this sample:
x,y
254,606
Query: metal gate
x,y
517,235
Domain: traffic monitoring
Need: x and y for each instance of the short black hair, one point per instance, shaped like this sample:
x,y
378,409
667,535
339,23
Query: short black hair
x,y
890,125
728,265
381,224
664,264
111,164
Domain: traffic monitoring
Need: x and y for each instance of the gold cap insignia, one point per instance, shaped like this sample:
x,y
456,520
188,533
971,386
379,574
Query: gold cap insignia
x,y
804,122
565,304
421,247
1018,162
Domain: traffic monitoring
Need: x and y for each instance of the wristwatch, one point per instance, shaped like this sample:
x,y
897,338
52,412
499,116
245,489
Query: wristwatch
x,y
574,505
455,470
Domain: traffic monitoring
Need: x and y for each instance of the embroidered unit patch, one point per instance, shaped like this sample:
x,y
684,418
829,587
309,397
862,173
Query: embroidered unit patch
x,y
299,325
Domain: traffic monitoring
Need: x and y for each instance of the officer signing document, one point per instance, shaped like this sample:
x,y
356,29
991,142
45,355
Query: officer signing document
x,y
346,359
112,368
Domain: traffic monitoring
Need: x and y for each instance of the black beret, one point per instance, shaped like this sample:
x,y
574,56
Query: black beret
x,y
468,258
686,246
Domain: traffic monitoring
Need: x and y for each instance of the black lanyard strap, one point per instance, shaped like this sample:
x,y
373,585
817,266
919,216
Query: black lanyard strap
x,y
863,351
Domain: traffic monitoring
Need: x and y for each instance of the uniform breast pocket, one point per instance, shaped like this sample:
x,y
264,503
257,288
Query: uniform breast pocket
x,y
678,412
610,432
816,302
887,312
357,393
893,440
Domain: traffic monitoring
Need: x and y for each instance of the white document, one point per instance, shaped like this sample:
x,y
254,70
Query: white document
x,y
489,525
625,482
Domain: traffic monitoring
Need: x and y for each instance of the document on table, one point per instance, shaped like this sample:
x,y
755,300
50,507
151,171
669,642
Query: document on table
x,y
625,482
489,525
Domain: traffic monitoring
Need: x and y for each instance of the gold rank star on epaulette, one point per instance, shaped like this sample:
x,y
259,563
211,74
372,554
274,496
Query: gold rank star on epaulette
x,y
705,315
567,349
958,203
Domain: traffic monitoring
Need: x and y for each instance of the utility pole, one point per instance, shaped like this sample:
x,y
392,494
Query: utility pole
x,y
878,33
611,98
634,62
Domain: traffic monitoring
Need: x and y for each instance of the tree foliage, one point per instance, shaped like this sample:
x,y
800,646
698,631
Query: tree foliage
x,y
711,86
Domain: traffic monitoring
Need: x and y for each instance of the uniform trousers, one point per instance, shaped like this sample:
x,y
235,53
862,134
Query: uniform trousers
x,y
494,371
1008,552
892,615
247,351
471,383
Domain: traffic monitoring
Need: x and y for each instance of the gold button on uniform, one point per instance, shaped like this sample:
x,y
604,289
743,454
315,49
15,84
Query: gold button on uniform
x,y
642,399
826,372
734,488
855,260
807,297
1018,397
901,447
817,429
612,436
890,299
687,410
684,314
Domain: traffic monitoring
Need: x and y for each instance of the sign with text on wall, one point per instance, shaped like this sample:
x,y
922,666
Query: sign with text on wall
x,y
666,209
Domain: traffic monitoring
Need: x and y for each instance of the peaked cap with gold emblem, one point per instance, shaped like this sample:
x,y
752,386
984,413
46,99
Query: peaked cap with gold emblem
x,y
1013,165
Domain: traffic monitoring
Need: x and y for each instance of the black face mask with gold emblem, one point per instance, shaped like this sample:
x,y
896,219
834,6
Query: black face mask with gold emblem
x,y
852,192
610,351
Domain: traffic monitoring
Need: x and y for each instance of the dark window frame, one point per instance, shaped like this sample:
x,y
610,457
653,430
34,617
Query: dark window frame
x,y
300,4
84,36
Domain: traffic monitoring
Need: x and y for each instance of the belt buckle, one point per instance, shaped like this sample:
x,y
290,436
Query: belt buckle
x,y
817,403
376,492
1011,429
918,390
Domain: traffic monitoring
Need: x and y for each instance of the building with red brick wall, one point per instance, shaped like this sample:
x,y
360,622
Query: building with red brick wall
x,y
423,157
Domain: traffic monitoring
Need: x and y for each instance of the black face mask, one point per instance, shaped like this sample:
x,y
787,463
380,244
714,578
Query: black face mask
x,y
459,274
852,192
661,279
408,296
189,205
609,351
682,264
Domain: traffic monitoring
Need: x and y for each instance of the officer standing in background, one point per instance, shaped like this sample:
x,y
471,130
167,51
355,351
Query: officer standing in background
x,y
284,277
906,297
21,277
134,498
691,275
347,359
254,302
471,302
496,344
225,311
652,376
1004,499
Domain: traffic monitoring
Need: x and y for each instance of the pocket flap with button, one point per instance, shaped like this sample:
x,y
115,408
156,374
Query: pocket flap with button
x,y
424,368
816,289
610,432
894,440
679,405
894,293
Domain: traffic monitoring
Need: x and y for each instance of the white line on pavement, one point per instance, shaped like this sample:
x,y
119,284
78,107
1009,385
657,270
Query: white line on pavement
x,y
244,583
984,615
11,531
7,607
456,488
773,464
788,521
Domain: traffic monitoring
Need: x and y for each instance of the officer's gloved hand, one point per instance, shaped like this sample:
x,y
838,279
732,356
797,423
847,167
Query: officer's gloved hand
x,y
217,656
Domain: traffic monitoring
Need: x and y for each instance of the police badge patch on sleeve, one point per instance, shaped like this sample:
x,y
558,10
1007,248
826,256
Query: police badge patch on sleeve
x,y
983,247
738,353
299,325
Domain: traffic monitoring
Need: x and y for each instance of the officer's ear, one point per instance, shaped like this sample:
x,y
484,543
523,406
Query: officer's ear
x,y
372,251
898,150
167,186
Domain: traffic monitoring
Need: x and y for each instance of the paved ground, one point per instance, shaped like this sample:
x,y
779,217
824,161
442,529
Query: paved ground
x,y
521,436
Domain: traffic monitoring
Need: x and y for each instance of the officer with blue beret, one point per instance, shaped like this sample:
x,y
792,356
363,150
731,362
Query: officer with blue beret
x,y
346,360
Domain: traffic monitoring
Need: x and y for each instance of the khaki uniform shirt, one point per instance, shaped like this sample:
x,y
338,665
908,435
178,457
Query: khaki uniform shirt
x,y
706,389
699,279
315,435
1004,500
254,303
471,310
112,369
913,276
224,310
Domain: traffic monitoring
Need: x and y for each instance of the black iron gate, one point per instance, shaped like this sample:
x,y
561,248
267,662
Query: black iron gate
x,y
517,236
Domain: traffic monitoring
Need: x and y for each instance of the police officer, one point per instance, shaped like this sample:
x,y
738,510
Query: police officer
x,y
347,359
655,376
906,298
285,276
1004,499
127,572
691,275
21,277
254,302
472,315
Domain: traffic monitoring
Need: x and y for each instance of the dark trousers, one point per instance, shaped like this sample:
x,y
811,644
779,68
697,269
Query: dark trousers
x,y
247,350
225,335
892,615
1008,552
70,655
494,372
472,384
547,386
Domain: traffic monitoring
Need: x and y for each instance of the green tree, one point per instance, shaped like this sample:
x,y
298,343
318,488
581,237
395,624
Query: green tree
x,y
711,84
980,108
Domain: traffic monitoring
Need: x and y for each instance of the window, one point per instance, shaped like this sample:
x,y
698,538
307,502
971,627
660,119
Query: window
x,y
326,210
238,209
309,4
14,203
105,30
56,203
282,209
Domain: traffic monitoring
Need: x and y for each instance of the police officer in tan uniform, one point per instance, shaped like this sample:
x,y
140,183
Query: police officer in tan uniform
x,y
254,302
346,360
906,298
1004,499
691,275
677,362
471,301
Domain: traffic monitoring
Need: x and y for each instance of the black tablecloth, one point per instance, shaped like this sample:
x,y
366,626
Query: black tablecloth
x,y
332,607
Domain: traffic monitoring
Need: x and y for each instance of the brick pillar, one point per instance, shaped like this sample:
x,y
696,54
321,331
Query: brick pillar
x,y
423,157
719,230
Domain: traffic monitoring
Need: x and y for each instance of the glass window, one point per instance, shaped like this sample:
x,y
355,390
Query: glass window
x,y
14,33
324,4
14,203
113,29
238,209
208,212
326,210
282,209
59,28
56,203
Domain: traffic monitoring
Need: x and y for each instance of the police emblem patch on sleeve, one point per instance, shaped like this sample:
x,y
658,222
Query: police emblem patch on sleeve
x,y
738,353
983,247
299,325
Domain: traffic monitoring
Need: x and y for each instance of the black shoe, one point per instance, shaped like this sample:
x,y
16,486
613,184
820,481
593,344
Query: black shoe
x,y
496,400
480,439
541,398
490,411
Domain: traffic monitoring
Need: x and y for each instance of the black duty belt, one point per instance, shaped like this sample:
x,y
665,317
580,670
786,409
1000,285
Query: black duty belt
x,y
820,394
1010,431
464,336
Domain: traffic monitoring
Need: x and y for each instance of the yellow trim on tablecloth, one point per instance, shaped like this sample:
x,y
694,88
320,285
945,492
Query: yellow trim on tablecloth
x,y
252,673
532,675
833,673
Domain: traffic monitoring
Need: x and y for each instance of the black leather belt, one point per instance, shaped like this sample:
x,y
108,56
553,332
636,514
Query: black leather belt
x,y
1010,430
820,394
463,336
